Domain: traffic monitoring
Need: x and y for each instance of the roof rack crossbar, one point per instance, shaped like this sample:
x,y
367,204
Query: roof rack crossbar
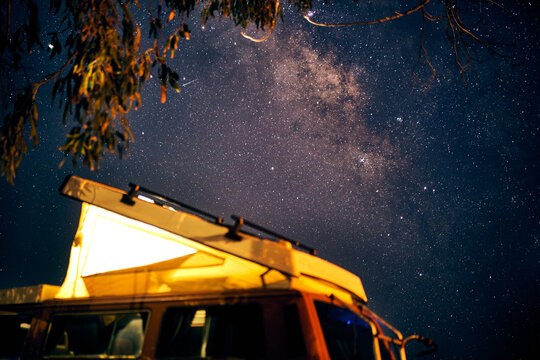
x,y
135,189
252,225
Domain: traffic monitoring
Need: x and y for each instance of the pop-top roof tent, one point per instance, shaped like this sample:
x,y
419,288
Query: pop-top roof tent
x,y
131,244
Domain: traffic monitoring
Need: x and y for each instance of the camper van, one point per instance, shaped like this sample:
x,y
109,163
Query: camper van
x,y
152,278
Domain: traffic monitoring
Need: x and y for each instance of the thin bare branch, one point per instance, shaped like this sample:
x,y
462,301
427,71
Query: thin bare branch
x,y
459,23
453,39
422,52
258,40
51,76
8,23
377,21
277,7
430,17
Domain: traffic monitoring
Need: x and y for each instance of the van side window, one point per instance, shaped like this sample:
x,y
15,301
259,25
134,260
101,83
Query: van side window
x,y
212,331
13,331
89,334
347,335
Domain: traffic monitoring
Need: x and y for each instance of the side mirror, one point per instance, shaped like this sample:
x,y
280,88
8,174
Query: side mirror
x,y
431,345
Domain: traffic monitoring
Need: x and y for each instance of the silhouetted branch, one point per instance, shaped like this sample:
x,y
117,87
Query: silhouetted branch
x,y
422,52
370,22
272,26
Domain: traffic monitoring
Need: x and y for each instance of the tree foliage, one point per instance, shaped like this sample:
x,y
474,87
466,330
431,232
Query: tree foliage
x,y
104,66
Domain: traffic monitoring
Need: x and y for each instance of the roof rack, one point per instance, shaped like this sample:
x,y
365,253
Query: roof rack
x,y
162,200
239,221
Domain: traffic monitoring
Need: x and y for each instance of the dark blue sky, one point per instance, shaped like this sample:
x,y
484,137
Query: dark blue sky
x,y
428,191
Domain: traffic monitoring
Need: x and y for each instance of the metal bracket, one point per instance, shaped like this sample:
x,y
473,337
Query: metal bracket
x,y
128,198
234,229
241,221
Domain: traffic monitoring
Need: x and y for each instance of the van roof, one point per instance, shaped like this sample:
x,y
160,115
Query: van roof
x,y
131,244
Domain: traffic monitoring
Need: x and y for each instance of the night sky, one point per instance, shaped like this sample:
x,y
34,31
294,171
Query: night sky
x,y
429,191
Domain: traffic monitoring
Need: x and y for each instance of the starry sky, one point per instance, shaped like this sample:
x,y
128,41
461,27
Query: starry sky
x,y
428,190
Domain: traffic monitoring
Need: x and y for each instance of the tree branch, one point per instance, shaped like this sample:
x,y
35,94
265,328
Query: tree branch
x,y
422,52
49,77
269,31
377,21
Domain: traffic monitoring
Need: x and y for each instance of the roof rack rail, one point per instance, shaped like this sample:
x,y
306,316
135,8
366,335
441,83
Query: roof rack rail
x,y
162,200
239,221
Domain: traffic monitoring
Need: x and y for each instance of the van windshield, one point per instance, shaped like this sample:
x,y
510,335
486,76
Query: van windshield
x,y
93,334
13,331
347,335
